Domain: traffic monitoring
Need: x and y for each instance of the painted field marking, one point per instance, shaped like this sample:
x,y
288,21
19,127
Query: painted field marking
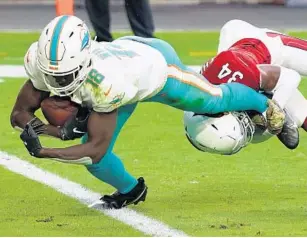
x,y
136,220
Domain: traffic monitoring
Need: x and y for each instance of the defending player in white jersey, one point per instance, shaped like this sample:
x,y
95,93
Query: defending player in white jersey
x,y
262,59
110,79
280,50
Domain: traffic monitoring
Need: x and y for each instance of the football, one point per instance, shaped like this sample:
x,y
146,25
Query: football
x,y
57,110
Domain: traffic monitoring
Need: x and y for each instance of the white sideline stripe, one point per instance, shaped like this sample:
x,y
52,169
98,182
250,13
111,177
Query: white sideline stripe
x,y
74,190
18,71
12,71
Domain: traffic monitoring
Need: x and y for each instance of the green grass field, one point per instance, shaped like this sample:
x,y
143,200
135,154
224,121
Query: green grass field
x,y
260,191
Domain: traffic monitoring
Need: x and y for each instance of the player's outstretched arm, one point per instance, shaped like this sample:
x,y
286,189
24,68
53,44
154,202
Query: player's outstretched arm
x,y
28,102
100,129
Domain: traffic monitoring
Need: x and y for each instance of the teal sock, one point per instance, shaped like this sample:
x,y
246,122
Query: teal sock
x,y
111,170
238,97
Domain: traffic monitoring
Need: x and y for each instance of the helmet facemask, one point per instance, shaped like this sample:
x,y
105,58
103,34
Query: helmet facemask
x,y
65,84
247,129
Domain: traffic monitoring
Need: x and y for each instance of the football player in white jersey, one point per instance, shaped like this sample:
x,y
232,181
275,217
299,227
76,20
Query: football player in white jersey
x,y
282,50
110,79
243,47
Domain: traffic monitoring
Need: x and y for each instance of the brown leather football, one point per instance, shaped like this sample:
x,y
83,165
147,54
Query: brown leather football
x,y
57,110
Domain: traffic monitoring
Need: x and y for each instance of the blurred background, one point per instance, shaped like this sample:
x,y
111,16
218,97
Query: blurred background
x,y
174,1
168,14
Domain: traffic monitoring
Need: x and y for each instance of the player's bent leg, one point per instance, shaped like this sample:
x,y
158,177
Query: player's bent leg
x,y
129,190
111,170
190,91
187,90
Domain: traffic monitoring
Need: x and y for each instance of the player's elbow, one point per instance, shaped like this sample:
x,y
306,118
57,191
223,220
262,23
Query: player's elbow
x,y
274,77
19,118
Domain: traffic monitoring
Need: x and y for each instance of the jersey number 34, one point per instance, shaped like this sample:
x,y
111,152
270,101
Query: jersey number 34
x,y
225,72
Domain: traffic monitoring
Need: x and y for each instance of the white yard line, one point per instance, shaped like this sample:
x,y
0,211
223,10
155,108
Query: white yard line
x,y
18,71
74,190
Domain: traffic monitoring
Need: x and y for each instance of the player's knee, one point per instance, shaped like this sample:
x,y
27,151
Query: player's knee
x,y
98,162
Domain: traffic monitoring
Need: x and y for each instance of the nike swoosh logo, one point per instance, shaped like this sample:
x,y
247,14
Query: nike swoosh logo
x,y
108,92
75,130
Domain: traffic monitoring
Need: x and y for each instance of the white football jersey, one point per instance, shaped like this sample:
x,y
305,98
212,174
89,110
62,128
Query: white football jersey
x,y
123,72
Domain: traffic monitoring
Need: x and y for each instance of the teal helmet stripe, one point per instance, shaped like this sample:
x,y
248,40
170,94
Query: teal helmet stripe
x,y
55,39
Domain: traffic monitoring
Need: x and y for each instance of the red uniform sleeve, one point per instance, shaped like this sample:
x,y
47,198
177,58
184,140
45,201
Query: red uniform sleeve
x,y
229,66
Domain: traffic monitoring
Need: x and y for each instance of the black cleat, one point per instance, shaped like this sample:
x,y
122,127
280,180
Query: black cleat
x,y
119,200
289,135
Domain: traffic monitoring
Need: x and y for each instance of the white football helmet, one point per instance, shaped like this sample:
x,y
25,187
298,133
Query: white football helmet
x,y
63,54
225,134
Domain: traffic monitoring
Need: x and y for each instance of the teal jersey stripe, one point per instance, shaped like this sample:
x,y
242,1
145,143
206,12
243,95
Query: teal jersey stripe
x,y
55,39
